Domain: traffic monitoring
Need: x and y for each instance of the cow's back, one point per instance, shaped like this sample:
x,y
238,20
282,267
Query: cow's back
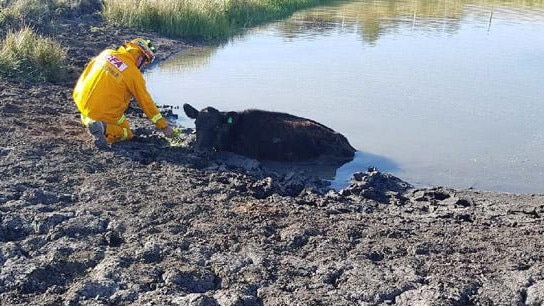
x,y
280,136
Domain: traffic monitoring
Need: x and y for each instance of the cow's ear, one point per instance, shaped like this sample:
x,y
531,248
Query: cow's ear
x,y
232,117
190,111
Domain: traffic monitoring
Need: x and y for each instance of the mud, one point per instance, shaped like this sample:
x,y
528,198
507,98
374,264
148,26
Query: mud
x,y
151,224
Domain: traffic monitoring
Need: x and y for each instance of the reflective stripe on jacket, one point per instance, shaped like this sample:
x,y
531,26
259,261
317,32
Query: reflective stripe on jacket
x,y
107,84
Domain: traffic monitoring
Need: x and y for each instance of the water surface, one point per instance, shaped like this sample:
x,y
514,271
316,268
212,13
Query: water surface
x,y
436,92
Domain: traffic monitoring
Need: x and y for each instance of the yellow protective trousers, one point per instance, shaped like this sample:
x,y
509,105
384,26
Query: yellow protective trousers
x,y
114,132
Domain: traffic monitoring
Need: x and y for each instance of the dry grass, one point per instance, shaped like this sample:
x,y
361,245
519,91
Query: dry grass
x,y
18,13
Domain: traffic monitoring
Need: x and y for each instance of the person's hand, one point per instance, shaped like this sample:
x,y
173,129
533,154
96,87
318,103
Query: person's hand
x,y
168,132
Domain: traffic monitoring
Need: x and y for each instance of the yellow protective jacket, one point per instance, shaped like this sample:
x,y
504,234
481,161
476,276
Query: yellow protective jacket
x,y
106,86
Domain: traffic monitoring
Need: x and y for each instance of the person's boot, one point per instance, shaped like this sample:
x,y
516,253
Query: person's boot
x,y
98,132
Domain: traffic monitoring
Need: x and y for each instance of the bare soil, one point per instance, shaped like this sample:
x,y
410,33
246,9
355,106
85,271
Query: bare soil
x,y
151,224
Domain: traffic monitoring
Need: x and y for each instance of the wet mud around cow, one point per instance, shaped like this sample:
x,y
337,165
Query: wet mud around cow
x,y
146,223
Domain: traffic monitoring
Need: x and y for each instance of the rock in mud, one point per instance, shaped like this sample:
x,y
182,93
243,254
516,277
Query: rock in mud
x,y
374,185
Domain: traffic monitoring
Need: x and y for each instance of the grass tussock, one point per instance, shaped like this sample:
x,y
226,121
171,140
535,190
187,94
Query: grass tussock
x,y
29,56
210,19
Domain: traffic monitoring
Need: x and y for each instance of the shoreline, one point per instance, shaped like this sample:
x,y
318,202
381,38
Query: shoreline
x,y
146,223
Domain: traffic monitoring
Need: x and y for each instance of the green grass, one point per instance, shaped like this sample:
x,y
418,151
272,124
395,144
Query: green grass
x,y
200,19
29,56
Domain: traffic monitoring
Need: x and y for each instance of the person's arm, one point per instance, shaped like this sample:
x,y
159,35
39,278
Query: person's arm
x,y
144,100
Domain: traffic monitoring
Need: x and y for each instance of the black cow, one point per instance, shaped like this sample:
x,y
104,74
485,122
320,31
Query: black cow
x,y
266,135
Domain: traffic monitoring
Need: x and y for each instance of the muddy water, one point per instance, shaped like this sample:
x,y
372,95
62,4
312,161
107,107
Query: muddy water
x,y
436,92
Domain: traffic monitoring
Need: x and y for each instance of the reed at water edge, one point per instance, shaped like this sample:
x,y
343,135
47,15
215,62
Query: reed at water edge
x,y
197,19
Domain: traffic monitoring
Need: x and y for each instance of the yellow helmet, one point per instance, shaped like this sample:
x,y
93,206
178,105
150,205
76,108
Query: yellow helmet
x,y
145,46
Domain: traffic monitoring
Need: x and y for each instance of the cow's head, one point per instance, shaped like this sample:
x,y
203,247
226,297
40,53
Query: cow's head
x,y
212,127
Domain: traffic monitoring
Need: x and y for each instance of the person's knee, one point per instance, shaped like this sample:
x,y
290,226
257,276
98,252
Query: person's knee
x,y
116,133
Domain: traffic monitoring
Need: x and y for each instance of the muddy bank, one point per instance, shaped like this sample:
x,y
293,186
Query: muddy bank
x,y
150,224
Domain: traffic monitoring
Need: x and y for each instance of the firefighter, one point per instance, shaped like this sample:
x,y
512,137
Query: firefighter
x,y
107,85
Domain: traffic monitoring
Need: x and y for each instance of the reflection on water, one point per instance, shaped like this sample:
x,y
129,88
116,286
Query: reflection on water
x,y
372,19
449,92
190,60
